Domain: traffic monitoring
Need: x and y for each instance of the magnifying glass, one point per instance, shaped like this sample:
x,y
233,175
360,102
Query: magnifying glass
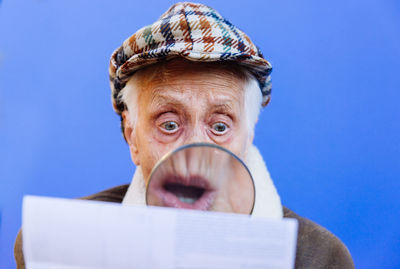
x,y
202,176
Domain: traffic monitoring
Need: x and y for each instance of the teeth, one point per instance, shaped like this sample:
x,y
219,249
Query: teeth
x,y
187,200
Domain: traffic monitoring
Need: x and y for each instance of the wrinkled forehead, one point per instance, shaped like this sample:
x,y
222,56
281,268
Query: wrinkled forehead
x,y
223,81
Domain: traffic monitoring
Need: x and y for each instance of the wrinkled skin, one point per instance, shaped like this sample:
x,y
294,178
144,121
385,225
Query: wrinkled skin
x,y
190,103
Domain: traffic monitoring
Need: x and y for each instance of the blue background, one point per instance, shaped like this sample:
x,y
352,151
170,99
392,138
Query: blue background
x,y
330,135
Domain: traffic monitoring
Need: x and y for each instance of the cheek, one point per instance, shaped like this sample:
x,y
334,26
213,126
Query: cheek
x,y
238,143
150,152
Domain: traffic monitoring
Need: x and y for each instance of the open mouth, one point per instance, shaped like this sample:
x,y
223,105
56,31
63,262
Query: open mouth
x,y
191,192
186,194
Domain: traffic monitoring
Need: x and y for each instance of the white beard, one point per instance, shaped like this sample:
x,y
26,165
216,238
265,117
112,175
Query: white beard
x,y
267,203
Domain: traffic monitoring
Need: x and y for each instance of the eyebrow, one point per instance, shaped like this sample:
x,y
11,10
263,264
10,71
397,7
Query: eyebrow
x,y
221,104
223,107
159,100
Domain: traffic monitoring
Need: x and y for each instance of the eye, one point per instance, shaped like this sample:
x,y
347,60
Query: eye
x,y
219,128
169,126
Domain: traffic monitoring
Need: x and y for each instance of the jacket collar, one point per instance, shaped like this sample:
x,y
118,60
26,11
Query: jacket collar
x,y
267,203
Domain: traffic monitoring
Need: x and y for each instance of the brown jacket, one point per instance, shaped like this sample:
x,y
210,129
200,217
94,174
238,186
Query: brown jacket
x,y
316,247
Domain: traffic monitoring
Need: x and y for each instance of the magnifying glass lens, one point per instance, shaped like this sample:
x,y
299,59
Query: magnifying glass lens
x,y
202,177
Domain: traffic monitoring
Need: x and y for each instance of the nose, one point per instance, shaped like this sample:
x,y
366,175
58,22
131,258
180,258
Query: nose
x,y
198,135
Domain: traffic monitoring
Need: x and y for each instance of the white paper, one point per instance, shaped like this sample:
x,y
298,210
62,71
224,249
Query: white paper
x,y
71,234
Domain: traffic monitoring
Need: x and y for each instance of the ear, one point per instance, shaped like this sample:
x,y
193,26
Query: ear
x,y
130,136
252,131
251,138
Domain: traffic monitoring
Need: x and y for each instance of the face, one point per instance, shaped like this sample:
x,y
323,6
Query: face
x,y
189,103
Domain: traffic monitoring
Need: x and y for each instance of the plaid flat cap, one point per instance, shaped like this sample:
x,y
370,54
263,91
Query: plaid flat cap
x,y
192,31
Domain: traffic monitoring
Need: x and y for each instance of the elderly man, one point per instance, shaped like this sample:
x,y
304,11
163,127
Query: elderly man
x,y
192,76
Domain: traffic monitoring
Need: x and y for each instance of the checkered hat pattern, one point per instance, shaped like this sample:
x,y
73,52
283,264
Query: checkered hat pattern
x,y
192,31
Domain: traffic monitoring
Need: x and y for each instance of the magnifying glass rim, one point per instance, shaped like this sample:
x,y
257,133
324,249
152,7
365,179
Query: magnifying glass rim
x,y
201,145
